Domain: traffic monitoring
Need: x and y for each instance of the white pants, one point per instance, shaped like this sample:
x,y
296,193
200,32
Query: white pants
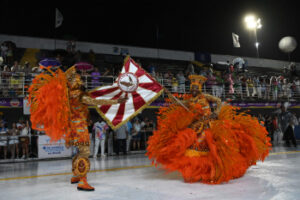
x,y
97,142
214,90
259,92
219,91
277,137
128,143
275,94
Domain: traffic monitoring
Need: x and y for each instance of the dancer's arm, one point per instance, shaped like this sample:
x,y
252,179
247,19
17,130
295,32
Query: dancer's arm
x,y
216,100
91,101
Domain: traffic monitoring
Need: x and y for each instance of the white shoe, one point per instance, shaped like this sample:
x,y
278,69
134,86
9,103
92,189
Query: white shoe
x,y
103,155
94,156
23,157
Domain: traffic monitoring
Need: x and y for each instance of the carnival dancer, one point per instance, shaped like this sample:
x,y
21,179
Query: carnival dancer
x,y
59,103
210,147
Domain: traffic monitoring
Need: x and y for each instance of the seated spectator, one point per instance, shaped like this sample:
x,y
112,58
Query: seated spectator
x,y
174,85
5,75
14,141
136,134
16,67
181,81
25,141
3,139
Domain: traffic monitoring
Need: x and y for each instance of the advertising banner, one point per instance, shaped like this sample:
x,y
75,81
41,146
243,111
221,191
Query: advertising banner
x,y
47,149
11,102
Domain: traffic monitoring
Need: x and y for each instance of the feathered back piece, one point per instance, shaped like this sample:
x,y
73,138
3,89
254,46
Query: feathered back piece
x,y
49,104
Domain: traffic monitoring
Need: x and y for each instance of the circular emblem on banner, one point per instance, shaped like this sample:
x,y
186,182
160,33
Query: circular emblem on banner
x,y
128,82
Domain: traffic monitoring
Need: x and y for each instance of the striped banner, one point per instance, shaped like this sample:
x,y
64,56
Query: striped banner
x,y
135,84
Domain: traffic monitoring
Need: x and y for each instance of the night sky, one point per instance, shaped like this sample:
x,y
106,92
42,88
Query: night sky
x,y
188,25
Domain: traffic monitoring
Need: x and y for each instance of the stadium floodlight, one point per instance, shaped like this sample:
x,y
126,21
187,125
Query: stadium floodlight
x,y
253,23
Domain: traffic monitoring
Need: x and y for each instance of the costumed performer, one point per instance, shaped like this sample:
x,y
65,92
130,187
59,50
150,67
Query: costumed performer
x,y
210,147
60,104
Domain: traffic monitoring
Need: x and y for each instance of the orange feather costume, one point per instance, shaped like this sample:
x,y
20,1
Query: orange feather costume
x,y
60,108
205,149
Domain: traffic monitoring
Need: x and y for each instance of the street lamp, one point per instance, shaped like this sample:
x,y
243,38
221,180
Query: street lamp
x,y
253,23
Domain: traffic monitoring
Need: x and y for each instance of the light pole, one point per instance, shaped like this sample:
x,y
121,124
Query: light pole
x,y
253,23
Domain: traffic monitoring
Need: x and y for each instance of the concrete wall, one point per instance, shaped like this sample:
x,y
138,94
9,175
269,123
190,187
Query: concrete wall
x,y
111,49
44,43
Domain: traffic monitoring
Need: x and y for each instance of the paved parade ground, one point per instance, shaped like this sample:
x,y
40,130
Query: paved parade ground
x,y
133,177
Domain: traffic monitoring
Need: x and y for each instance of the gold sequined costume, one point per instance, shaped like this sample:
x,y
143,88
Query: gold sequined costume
x,y
61,106
210,147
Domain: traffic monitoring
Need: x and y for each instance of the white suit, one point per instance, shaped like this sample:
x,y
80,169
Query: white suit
x,y
100,131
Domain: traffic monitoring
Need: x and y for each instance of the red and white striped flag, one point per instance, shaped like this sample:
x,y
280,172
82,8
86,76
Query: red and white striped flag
x,y
133,82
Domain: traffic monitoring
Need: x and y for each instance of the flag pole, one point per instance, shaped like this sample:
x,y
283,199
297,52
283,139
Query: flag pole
x,y
174,98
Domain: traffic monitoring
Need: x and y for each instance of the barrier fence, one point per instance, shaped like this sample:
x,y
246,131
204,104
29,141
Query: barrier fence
x,y
17,84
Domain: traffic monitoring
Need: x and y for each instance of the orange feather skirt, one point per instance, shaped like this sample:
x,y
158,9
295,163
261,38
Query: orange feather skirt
x,y
224,150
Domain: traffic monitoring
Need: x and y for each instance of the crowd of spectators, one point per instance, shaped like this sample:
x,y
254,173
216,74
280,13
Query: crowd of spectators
x,y
131,136
278,124
227,83
19,142
233,85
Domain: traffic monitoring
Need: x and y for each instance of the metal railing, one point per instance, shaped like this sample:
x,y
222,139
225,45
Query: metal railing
x,y
16,85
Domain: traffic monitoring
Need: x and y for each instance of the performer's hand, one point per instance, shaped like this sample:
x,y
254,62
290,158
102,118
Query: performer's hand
x,y
122,99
